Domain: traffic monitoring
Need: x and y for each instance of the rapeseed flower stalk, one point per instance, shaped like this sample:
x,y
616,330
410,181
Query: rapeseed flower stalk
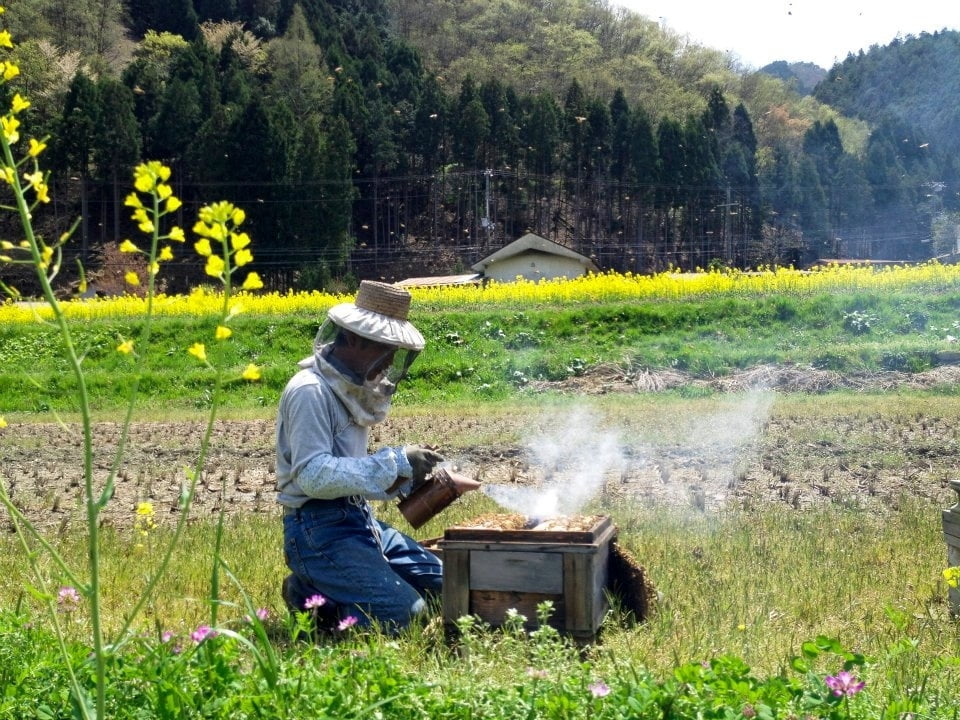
x,y
145,520
226,249
21,171
151,202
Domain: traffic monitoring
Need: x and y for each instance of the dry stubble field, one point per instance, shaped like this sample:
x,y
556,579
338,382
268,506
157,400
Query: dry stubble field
x,y
596,435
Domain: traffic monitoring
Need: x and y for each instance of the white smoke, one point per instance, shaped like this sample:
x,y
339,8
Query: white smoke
x,y
703,454
575,455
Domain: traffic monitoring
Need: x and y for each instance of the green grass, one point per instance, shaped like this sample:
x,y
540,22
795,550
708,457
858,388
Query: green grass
x,y
491,353
750,585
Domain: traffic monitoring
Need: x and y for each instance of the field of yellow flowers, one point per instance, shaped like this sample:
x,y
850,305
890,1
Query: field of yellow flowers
x,y
589,289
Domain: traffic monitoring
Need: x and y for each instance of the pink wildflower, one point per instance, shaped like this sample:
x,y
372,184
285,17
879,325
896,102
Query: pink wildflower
x,y
261,613
202,633
535,673
844,683
314,601
599,689
348,622
68,598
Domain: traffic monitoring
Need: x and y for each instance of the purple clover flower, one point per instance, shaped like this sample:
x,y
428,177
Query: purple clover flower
x,y
68,598
348,622
599,689
261,613
202,633
314,601
844,683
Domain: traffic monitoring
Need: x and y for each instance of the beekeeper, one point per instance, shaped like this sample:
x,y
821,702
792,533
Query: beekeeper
x,y
333,545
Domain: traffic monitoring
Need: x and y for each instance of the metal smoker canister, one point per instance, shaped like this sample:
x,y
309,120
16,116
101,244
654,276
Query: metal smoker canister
x,y
434,495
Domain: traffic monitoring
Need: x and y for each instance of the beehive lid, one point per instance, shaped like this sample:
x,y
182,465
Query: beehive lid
x,y
578,529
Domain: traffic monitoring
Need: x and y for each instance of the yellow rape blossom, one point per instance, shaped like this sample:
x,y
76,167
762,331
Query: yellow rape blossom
x,y
131,277
10,70
164,191
9,125
5,40
952,576
238,241
202,246
253,282
176,234
146,176
214,232
214,266
19,104
126,347
242,257
3,422
166,253
199,351
133,200
127,246
36,147
251,373
223,332
144,522
172,203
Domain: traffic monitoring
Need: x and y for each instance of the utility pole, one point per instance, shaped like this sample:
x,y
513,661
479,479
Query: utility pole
x,y
485,222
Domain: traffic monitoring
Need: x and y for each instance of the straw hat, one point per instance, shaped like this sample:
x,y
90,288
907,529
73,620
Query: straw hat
x,y
379,313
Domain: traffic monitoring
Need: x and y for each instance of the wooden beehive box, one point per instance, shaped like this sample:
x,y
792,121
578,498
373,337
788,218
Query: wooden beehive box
x,y
489,571
951,533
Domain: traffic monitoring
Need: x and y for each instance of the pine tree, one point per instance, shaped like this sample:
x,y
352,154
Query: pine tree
x,y
116,143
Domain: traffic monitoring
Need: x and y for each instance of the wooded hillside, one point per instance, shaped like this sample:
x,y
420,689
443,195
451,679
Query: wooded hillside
x,y
388,138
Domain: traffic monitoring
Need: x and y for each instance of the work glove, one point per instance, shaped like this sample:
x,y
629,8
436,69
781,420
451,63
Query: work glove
x,y
422,459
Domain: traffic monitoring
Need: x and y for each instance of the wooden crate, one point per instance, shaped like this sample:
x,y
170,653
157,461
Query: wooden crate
x,y
487,572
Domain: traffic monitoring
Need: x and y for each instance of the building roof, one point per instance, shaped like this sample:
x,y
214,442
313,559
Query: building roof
x,y
435,280
533,242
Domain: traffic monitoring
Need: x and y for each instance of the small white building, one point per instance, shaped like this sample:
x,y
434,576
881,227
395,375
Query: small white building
x,y
534,258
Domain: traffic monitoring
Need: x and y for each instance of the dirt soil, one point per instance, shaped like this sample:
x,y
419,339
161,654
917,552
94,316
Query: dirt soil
x,y
866,461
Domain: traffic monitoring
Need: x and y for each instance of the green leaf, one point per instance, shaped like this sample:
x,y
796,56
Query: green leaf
x,y
810,650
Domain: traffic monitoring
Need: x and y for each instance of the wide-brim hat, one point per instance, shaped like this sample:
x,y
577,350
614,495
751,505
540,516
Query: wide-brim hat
x,y
379,313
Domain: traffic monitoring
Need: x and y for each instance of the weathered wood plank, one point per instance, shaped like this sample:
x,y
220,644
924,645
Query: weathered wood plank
x,y
456,584
520,571
492,606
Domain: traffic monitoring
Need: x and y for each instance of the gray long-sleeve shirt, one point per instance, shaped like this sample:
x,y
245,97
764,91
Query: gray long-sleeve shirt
x,y
322,452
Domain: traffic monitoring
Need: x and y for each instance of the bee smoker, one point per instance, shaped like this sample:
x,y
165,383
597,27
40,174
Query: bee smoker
x,y
434,495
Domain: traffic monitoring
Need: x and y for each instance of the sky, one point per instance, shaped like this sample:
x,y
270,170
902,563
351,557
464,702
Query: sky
x,y
817,31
